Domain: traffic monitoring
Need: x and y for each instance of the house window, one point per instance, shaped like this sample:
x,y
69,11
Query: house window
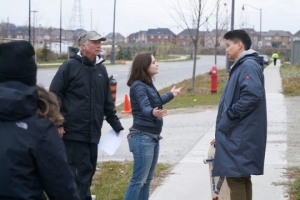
x,y
152,36
159,37
268,38
166,37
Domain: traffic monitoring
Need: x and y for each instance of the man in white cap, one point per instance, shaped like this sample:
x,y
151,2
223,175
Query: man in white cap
x,y
82,85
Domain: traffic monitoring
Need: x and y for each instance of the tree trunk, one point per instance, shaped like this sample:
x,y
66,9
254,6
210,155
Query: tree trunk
x,y
194,64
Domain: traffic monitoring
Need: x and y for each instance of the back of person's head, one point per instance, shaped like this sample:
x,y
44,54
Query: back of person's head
x,y
239,35
48,106
139,68
17,63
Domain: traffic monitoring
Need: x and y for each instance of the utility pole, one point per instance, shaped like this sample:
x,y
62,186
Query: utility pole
x,y
112,53
29,22
232,15
260,16
230,62
60,28
91,19
34,27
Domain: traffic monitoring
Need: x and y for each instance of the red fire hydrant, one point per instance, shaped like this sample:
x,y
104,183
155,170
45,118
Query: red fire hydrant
x,y
214,79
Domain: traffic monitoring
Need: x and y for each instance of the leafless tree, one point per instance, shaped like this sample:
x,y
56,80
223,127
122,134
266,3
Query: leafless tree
x,y
221,24
187,11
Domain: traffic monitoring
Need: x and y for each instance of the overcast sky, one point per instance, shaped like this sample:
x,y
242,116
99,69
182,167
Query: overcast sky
x,y
135,15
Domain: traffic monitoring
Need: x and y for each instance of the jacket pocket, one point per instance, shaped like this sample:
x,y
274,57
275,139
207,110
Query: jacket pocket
x,y
226,125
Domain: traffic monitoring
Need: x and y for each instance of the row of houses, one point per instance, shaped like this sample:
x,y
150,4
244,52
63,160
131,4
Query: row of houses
x,y
57,39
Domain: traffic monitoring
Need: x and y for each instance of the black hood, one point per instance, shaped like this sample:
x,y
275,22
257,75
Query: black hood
x,y
17,101
249,54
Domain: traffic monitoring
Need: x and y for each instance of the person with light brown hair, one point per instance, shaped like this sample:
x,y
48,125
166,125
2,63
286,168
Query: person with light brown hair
x,y
144,134
48,106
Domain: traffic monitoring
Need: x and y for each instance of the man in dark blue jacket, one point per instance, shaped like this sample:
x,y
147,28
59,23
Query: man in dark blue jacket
x,y
82,85
241,125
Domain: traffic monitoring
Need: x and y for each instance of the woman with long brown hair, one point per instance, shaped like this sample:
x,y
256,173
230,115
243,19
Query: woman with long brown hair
x,y
144,135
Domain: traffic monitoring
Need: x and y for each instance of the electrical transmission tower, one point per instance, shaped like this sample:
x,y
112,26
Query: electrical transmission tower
x,y
76,20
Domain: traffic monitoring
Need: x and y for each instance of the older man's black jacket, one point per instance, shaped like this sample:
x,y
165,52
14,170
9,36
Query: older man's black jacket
x,y
84,90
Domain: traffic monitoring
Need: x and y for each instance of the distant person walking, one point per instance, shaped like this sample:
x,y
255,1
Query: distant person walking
x,y
275,57
82,85
147,110
241,124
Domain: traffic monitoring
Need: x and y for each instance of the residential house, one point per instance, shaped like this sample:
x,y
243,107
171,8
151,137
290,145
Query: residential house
x,y
215,38
119,38
18,33
184,38
296,36
254,35
277,38
161,35
66,35
138,37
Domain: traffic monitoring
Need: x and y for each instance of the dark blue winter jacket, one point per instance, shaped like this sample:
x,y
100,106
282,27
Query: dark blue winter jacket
x,y
143,99
241,125
32,155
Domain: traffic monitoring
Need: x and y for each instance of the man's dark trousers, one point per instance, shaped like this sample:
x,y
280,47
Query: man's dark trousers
x,y
240,188
82,160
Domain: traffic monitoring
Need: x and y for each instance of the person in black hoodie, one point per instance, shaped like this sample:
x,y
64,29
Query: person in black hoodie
x,y
32,155
82,85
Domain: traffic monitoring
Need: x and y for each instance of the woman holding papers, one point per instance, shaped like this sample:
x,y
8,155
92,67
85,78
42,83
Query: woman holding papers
x,y
144,135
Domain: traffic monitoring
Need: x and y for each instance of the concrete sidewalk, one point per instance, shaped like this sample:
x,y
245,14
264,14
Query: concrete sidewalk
x,y
190,177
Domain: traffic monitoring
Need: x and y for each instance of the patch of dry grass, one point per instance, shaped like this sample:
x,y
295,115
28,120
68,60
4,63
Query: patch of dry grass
x,y
290,75
198,96
111,180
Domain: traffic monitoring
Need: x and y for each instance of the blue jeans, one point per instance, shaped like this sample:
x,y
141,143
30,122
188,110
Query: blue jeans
x,y
145,152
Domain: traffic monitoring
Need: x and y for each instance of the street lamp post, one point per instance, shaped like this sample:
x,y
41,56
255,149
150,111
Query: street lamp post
x,y
29,21
260,38
34,31
60,30
230,62
112,52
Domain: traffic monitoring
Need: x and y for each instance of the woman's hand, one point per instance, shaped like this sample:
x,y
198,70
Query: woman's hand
x,y
176,91
159,112
61,131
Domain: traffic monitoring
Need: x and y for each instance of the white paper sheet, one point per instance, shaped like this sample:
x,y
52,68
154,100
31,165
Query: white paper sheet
x,y
110,142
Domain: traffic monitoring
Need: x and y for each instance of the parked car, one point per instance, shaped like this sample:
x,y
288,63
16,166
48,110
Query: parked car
x,y
265,58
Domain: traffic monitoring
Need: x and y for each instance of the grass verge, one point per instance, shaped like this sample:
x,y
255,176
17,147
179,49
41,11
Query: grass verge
x,y
292,183
193,97
290,75
111,180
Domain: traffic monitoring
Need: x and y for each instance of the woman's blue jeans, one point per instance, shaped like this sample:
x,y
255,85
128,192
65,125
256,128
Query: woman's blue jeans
x,y
145,152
